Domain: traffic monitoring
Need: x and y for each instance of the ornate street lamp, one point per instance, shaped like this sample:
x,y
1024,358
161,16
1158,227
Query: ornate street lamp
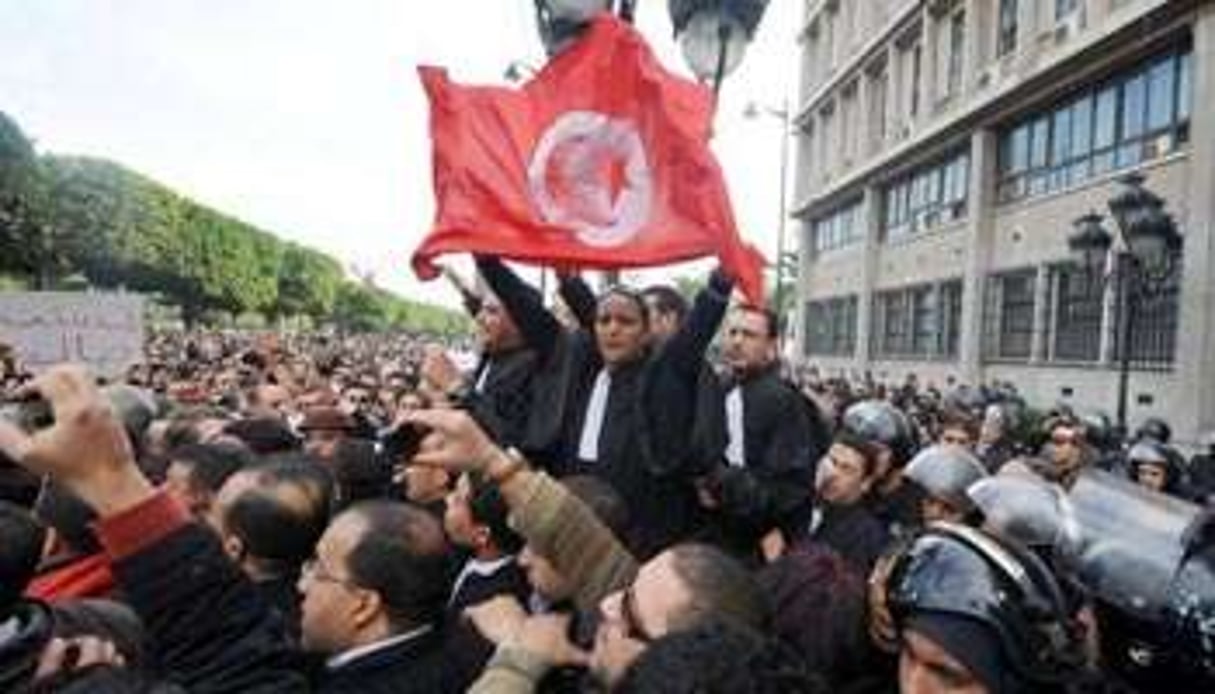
x,y
561,21
1144,261
713,34
1091,244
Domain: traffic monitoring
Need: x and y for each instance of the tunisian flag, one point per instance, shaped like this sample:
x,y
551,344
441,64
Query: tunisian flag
x,y
601,161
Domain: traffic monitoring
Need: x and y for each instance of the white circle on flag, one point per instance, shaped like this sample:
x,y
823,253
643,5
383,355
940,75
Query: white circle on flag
x,y
589,172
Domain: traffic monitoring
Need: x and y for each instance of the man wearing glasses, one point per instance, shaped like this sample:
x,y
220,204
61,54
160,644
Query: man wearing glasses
x,y
373,597
680,588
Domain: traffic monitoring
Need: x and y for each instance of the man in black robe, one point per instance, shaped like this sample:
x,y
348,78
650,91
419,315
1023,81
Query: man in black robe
x,y
764,437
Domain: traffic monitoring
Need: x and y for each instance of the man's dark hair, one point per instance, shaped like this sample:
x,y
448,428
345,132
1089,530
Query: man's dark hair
x,y
211,464
603,500
308,474
812,585
277,537
957,419
772,320
403,556
869,452
264,435
720,588
667,299
488,508
717,657
21,539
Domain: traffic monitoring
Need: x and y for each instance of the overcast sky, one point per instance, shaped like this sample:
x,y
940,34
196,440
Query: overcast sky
x,y
305,118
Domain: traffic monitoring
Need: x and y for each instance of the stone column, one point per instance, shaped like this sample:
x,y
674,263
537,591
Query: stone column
x,y
872,215
1194,361
1037,349
980,227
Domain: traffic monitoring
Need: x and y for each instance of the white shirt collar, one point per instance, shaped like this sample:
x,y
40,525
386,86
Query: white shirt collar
x,y
346,657
592,423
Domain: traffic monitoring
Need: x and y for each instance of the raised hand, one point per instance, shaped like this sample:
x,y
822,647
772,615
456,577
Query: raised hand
x,y
86,449
455,442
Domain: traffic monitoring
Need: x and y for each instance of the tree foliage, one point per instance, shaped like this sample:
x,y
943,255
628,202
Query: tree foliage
x,y
116,227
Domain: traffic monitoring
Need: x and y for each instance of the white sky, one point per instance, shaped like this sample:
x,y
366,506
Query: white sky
x,y
305,118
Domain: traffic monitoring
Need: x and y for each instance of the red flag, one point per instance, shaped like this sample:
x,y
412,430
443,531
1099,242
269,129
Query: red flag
x,y
601,161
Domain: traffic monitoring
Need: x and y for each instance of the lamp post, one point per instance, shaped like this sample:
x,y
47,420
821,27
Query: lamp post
x,y
1143,261
713,34
756,110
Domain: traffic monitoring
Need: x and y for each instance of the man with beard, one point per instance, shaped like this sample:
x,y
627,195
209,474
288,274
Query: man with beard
x,y
769,439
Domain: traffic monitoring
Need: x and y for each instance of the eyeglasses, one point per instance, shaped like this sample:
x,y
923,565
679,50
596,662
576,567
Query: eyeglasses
x,y
628,614
315,571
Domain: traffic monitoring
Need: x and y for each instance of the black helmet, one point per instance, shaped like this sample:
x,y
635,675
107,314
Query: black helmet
x,y
877,421
946,472
967,400
1098,429
1154,428
1150,452
956,571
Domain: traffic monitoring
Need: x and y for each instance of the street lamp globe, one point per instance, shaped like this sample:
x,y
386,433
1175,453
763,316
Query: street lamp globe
x,y
713,34
1090,243
708,41
577,10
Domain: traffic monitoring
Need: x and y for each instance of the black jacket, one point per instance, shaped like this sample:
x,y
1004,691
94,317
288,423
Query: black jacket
x,y
417,666
208,628
783,437
854,533
467,650
650,408
503,402
283,596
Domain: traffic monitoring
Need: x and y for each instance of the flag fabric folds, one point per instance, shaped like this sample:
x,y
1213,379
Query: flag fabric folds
x,y
600,161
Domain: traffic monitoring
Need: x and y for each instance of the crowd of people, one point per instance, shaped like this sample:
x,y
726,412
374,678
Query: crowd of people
x,y
630,494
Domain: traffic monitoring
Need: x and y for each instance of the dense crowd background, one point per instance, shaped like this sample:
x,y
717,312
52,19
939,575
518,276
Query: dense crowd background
x,y
621,495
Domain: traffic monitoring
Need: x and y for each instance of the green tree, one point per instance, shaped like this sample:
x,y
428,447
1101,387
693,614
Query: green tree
x,y
31,244
308,283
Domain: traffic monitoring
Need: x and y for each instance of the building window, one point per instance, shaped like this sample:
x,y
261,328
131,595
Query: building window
x,y
957,53
831,326
1135,117
918,322
879,79
849,123
841,228
1009,315
1063,8
951,317
1006,39
923,320
1154,337
927,197
891,329
1077,308
830,141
